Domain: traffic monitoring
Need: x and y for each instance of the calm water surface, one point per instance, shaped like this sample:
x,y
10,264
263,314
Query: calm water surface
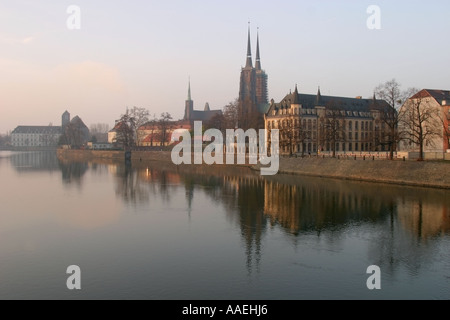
x,y
155,231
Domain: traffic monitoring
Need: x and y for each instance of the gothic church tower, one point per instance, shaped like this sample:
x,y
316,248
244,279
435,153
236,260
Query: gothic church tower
x,y
253,93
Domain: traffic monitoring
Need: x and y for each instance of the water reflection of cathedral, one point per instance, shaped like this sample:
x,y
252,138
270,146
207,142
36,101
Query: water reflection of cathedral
x,y
299,205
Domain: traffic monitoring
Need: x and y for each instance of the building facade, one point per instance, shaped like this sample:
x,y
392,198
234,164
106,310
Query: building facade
x,y
35,136
312,124
156,135
435,106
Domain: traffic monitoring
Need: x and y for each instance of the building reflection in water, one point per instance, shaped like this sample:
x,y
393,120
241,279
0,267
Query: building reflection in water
x,y
34,161
404,218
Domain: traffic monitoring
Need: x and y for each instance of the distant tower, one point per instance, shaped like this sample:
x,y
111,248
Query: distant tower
x,y
207,108
253,84
65,120
189,106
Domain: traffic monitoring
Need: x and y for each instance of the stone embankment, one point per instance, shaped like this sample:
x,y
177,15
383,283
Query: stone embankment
x,y
413,173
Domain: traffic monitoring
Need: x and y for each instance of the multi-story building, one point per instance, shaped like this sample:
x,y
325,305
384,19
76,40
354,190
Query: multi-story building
x,y
314,123
434,108
35,136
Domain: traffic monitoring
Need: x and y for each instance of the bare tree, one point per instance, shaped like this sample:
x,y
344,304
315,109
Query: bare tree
x,y
164,124
231,115
152,127
74,135
391,93
140,116
5,140
125,131
288,134
99,132
217,122
420,121
303,135
99,128
445,123
333,125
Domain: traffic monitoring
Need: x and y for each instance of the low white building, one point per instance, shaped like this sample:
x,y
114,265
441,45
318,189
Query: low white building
x,y
99,146
36,136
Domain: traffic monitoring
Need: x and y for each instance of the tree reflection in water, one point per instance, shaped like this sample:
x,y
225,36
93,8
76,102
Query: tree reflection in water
x,y
408,222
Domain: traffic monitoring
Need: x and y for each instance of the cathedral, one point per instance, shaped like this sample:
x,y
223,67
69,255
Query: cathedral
x,y
253,93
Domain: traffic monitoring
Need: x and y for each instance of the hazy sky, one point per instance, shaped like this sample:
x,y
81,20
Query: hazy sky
x,y
141,53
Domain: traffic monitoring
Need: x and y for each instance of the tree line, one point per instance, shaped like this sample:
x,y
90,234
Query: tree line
x,y
129,127
5,140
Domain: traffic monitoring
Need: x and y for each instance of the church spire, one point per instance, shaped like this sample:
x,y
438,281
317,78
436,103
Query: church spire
x,y
249,63
189,91
296,98
258,59
319,97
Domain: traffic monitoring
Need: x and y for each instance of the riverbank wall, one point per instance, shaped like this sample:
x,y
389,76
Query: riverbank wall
x,y
434,174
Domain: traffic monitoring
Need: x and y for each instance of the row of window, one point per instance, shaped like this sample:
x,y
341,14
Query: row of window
x,y
312,147
343,135
312,124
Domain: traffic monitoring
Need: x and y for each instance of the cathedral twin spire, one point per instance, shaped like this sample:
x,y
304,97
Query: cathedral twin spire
x,y
249,62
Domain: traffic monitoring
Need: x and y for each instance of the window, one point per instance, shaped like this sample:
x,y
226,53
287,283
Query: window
x,y
356,146
356,135
350,126
350,136
350,145
356,125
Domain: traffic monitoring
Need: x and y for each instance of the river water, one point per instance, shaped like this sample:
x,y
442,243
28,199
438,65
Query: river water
x,y
160,232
